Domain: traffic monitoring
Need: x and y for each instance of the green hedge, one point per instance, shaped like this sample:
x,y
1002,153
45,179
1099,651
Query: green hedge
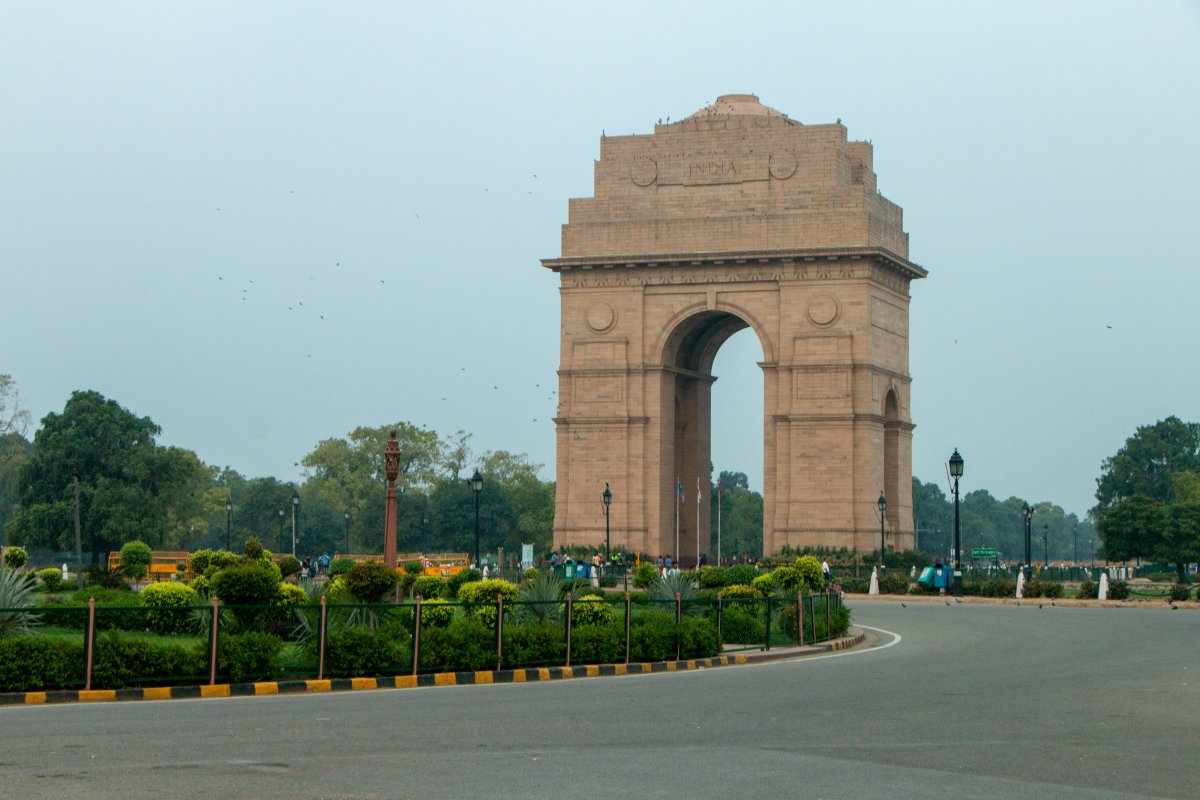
x,y
31,664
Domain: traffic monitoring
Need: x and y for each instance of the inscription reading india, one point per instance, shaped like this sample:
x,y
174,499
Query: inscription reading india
x,y
711,169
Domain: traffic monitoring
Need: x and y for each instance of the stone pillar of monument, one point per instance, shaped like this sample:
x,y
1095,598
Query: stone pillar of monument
x,y
734,217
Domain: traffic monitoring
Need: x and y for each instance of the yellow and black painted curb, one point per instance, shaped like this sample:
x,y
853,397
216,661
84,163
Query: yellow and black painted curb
x,y
528,675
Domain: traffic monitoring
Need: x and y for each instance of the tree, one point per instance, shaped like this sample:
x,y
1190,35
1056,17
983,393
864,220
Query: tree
x,y
14,447
1149,496
741,517
1146,463
129,487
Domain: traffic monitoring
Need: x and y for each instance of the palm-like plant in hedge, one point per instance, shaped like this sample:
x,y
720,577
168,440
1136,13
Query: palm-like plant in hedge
x,y
671,584
540,596
16,589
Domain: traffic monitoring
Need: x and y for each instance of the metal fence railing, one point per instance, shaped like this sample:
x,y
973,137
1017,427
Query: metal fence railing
x,y
115,646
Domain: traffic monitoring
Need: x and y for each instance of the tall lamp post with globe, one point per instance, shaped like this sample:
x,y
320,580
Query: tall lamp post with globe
x,y
607,497
476,488
882,503
956,471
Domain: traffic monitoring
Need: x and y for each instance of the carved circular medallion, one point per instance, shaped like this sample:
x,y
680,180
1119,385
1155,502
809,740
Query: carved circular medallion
x,y
823,310
783,166
601,317
644,171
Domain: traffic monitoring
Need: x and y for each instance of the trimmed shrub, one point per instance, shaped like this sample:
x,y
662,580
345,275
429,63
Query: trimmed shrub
x,y
742,624
480,599
201,586
739,590
31,664
249,656
289,594
249,584
289,565
173,618
436,613
121,661
645,575
590,610
995,586
1088,590
787,579
252,548
893,584
711,577
135,559
466,644
1041,588
15,557
1180,592
765,584
598,644
370,581
740,573
51,578
463,576
652,636
536,644
357,652
413,567
698,638
340,566
431,587
1118,590
810,571
855,585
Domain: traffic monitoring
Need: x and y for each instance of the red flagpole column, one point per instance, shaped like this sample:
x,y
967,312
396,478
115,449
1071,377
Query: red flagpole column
x,y
391,466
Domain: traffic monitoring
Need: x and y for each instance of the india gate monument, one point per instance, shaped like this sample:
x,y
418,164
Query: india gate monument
x,y
734,217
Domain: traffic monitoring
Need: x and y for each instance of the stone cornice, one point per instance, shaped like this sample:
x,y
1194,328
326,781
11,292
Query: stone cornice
x,y
773,259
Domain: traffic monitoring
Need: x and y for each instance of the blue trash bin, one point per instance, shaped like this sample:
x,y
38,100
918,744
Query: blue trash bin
x,y
941,576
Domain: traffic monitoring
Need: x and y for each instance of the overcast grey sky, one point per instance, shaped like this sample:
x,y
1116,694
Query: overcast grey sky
x,y
263,224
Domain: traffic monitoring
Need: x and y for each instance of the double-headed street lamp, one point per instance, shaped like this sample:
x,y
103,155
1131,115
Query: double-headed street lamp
x,y
295,510
476,487
607,497
228,519
956,471
1027,514
282,544
882,503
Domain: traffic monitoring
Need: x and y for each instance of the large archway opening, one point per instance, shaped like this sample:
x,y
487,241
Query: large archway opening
x,y
713,426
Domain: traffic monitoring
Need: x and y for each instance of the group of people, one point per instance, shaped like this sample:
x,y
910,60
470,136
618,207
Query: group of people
x,y
312,567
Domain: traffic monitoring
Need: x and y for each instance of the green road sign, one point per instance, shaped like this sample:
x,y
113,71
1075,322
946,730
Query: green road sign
x,y
983,552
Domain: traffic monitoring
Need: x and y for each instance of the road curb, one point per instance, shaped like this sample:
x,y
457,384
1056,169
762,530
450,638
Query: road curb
x,y
528,675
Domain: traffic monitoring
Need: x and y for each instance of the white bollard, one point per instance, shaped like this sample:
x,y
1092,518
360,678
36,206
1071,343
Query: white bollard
x,y
64,572
1021,585
874,581
1103,593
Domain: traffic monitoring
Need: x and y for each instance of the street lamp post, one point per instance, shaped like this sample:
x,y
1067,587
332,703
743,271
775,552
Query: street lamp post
x,y
282,544
1027,513
228,518
476,487
1075,541
607,548
1045,545
956,471
882,503
347,517
295,509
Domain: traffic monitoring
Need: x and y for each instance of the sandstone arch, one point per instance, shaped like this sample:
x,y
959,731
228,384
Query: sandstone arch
x,y
735,217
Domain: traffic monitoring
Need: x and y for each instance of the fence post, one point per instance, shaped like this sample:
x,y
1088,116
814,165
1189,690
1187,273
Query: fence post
x,y
569,600
628,613
321,647
212,675
416,634
812,614
91,640
799,618
678,615
499,630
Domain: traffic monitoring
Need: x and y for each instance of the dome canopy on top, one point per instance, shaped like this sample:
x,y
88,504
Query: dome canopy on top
x,y
737,105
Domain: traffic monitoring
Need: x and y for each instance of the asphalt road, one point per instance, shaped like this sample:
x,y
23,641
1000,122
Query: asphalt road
x,y
966,701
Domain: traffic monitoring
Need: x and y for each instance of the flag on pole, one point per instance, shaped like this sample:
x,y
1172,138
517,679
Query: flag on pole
x,y
679,487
